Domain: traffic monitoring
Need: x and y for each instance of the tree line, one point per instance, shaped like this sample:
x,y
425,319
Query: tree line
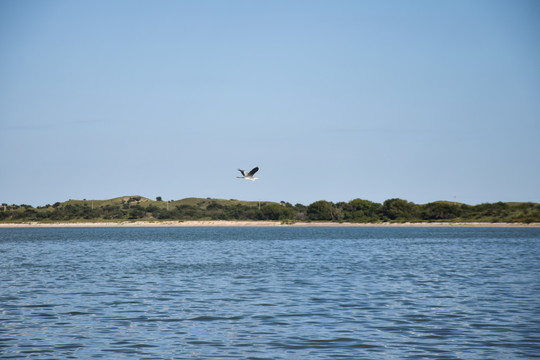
x,y
357,210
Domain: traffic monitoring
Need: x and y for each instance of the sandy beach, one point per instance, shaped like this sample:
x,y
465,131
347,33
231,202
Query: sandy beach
x,y
225,223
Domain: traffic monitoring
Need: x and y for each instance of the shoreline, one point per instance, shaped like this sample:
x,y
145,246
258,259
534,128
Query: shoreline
x,y
232,223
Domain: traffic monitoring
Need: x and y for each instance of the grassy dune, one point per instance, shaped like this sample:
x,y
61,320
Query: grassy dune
x,y
140,208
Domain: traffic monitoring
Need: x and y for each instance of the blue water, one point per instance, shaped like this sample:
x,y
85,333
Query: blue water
x,y
270,293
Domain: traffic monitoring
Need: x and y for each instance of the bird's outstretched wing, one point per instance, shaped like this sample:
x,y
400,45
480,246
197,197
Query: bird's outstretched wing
x,y
253,171
243,172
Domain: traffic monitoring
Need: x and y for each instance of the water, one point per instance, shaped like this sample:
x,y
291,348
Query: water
x,y
270,293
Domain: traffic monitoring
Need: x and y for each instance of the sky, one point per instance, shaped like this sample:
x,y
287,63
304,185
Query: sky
x,y
333,100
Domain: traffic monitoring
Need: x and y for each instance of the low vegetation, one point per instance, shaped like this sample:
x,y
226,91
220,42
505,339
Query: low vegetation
x,y
361,211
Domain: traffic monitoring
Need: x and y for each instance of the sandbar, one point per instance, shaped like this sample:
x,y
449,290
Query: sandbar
x,y
229,223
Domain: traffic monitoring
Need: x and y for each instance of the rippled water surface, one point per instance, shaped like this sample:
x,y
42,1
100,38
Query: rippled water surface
x,y
270,293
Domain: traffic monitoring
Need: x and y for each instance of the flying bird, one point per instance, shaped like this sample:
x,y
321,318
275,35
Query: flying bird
x,y
248,175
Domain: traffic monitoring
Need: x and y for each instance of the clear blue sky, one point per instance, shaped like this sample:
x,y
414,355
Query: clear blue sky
x,y
334,100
